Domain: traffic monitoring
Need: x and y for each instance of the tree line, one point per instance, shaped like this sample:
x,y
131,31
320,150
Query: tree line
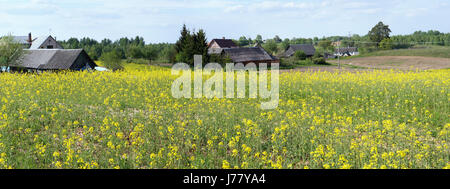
x,y
124,48
192,42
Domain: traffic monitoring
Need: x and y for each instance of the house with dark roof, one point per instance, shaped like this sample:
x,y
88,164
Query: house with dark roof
x,y
346,51
247,55
217,45
45,42
307,48
26,41
55,59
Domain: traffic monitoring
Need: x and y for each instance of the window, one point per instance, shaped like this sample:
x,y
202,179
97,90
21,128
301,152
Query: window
x,y
49,46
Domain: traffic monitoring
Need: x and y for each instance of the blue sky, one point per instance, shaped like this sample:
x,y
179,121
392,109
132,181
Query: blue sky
x,y
161,20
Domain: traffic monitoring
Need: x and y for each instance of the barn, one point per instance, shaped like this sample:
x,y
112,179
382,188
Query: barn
x,y
307,48
247,55
55,59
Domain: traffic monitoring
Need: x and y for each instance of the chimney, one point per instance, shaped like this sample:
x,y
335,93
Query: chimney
x,y
223,37
30,40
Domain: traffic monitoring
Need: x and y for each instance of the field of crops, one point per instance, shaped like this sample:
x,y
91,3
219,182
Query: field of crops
x,y
128,119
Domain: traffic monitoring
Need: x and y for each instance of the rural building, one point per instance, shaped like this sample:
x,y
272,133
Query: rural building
x,y
307,48
346,51
247,55
55,59
336,43
26,41
217,45
45,42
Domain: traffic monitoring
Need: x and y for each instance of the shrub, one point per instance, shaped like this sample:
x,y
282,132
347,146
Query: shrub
x,y
300,55
112,61
320,61
287,63
305,62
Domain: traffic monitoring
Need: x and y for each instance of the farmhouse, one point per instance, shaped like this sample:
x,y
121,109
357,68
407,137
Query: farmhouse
x,y
247,55
217,45
25,41
346,51
45,42
55,59
307,48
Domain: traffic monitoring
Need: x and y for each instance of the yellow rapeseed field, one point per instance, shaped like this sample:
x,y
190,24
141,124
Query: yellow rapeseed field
x,y
128,119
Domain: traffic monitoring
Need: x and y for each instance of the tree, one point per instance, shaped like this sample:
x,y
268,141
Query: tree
x,y
135,51
185,34
201,45
11,52
285,44
325,45
277,39
243,41
189,45
259,39
379,32
271,46
112,61
150,52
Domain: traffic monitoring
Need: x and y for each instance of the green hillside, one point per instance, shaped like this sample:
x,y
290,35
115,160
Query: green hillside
x,y
426,51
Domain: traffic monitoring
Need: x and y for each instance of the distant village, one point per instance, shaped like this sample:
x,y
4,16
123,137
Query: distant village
x,y
45,53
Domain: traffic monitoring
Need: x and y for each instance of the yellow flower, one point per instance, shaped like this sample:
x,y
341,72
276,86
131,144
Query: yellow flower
x,y
225,164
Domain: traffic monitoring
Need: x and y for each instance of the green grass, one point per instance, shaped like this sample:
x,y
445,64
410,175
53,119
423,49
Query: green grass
x,y
426,51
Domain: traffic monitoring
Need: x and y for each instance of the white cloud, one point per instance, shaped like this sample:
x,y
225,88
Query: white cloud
x,y
159,20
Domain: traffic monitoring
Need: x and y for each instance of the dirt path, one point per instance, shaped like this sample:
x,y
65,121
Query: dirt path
x,y
398,62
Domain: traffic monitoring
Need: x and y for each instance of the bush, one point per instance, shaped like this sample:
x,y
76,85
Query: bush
x,y
300,55
305,62
318,54
386,44
287,63
320,61
112,61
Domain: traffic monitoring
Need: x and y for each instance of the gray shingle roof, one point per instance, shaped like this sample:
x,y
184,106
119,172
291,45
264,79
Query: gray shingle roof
x,y
38,42
307,48
53,59
346,49
41,40
21,39
248,54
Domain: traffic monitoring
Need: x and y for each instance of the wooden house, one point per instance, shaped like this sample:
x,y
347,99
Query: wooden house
x,y
247,55
307,48
217,45
45,42
55,59
346,51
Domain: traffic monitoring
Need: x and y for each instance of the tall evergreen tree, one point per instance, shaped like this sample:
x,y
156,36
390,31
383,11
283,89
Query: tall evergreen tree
x,y
189,45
